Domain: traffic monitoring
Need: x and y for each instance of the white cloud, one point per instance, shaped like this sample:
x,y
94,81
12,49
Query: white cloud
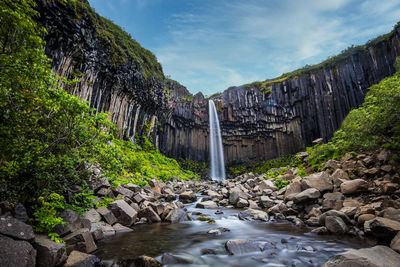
x,y
224,43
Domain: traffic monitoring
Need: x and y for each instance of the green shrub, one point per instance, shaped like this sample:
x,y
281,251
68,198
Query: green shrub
x,y
45,217
281,183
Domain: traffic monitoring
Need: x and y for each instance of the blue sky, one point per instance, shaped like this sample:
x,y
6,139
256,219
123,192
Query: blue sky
x,y
209,45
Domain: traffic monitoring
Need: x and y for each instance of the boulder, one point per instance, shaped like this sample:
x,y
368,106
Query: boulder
x,y
16,253
354,186
16,229
98,183
242,203
120,228
168,258
293,188
253,214
124,213
266,202
149,214
188,197
133,187
235,194
320,181
49,253
97,234
107,215
306,195
104,227
124,191
73,220
336,213
207,205
339,176
145,261
392,214
364,217
395,243
176,215
20,213
81,240
214,195
267,184
238,246
79,259
92,215
320,230
378,256
335,225
382,228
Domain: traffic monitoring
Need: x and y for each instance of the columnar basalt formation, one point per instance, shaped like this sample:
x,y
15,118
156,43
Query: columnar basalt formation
x,y
257,123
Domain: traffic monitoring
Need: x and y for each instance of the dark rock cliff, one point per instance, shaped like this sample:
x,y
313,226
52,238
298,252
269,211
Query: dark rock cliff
x,y
258,123
110,82
285,117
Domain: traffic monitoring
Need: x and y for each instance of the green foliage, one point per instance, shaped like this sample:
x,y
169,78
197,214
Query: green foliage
x,y
281,183
275,172
47,136
121,43
45,216
375,124
197,167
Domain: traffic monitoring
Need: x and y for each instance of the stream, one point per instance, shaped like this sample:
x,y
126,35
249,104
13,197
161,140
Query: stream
x,y
291,245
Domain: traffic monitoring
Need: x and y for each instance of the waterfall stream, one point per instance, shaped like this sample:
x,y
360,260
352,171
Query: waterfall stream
x,y
216,150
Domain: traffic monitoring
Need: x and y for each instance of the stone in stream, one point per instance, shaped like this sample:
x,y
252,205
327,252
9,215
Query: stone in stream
x,y
79,259
168,258
16,253
124,213
336,213
188,197
335,225
176,215
143,261
378,256
106,228
306,195
207,205
49,253
354,186
97,234
242,203
120,228
107,215
14,228
239,246
252,214
149,214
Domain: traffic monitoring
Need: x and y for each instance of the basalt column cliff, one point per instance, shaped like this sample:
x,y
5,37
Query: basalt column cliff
x,y
267,119
259,121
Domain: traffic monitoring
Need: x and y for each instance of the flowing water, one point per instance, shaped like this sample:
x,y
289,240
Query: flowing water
x,y
291,245
216,150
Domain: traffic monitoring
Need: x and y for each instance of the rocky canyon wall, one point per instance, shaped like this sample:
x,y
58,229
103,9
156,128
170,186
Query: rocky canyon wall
x,y
286,116
257,123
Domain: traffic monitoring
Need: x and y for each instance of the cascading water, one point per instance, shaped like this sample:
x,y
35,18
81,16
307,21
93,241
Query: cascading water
x,y
216,149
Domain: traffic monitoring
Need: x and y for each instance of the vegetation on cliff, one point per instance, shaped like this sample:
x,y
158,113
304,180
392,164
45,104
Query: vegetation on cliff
x,y
48,138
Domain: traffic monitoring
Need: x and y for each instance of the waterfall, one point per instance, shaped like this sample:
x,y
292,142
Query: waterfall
x,y
216,149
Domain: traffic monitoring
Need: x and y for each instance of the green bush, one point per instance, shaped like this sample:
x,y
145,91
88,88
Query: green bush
x,y
281,183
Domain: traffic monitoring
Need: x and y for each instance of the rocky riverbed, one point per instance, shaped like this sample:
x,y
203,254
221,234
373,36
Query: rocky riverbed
x,y
348,213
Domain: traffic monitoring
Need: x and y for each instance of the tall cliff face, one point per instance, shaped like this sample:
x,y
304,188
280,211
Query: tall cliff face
x,y
265,120
113,76
259,121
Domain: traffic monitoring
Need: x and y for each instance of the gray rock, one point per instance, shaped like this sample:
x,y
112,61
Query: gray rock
x,y
104,227
145,261
20,213
395,243
81,240
98,183
176,216
49,253
335,225
14,228
320,230
79,259
16,253
267,184
242,203
124,191
188,197
120,228
306,195
149,214
73,220
266,202
336,213
382,228
168,258
92,215
207,205
378,256
252,214
392,214
320,181
239,246
124,213
354,186
97,234
107,215
235,194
